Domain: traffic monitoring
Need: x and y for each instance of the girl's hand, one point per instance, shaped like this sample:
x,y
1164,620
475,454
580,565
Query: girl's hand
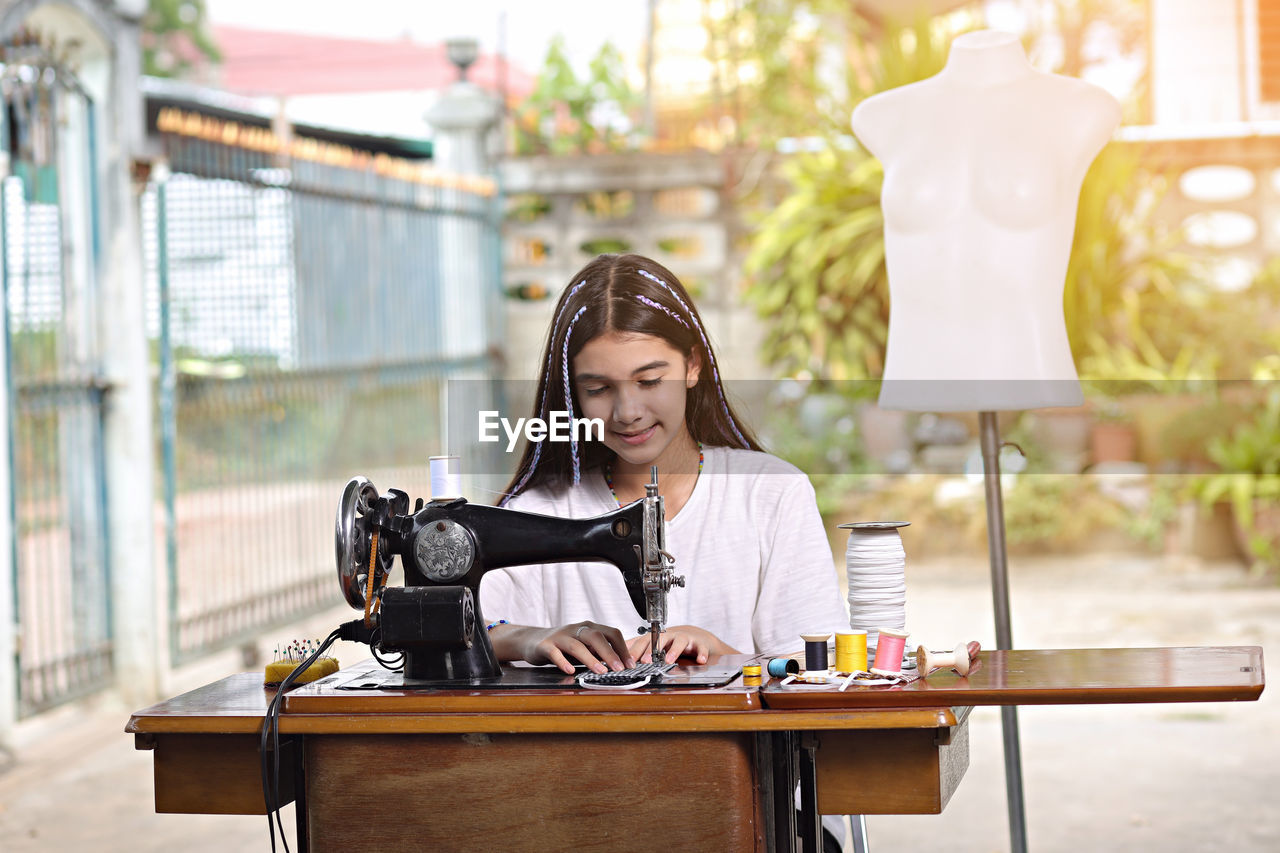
x,y
600,647
681,641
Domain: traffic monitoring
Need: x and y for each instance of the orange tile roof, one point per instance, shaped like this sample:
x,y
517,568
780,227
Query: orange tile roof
x,y
262,62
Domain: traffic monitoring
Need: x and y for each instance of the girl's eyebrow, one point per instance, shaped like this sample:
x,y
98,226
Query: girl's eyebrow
x,y
653,365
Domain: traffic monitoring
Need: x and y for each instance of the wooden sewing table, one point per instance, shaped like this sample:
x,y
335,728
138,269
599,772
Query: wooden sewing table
x,y
647,769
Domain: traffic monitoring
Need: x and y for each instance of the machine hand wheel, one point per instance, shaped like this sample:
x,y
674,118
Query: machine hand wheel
x,y
352,544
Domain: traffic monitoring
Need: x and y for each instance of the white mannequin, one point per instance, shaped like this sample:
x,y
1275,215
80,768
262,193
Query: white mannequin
x,y
983,165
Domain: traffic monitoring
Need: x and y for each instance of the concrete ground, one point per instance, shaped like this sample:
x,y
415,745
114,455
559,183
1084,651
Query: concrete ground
x,y
1186,777
1195,777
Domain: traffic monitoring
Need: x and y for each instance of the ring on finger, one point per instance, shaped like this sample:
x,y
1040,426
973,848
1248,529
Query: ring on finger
x,y
581,628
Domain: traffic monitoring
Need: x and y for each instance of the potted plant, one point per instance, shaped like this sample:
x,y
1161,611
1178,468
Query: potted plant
x,y
1249,479
1113,437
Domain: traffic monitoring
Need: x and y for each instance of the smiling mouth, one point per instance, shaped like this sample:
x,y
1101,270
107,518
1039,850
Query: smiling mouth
x,y
636,437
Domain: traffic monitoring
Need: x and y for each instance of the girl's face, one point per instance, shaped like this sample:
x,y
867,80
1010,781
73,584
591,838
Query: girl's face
x,y
637,385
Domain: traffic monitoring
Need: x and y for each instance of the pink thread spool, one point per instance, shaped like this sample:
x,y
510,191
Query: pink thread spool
x,y
889,650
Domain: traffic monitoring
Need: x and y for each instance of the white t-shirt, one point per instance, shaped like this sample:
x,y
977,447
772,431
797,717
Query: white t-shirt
x,y
749,542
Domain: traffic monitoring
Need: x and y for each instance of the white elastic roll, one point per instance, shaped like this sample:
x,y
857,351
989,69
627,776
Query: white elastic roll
x,y
875,564
446,477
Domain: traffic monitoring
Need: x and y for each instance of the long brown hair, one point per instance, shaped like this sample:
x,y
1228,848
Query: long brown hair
x,y
628,294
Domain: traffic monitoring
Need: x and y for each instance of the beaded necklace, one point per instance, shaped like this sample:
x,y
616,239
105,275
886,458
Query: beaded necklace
x,y
608,474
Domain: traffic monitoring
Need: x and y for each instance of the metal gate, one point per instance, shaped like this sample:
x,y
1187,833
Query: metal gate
x,y
297,304
48,226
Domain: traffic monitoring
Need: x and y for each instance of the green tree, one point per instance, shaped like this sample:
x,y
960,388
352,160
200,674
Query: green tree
x,y
175,38
792,68
569,115
1122,273
816,261
1122,24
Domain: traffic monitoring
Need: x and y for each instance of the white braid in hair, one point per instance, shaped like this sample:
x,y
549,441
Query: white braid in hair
x,y
551,351
568,396
711,358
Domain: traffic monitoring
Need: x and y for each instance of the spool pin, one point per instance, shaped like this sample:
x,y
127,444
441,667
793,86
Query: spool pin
x,y
446,477
958,659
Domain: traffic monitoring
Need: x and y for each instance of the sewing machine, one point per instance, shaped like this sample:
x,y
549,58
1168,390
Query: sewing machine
x,y
446,546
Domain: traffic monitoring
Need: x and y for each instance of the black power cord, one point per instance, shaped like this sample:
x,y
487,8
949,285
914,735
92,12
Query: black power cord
x,y
271,735
394,663
355,631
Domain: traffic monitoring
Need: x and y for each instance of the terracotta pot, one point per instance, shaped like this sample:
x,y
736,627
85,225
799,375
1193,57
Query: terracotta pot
x,y
1113,442
1206,534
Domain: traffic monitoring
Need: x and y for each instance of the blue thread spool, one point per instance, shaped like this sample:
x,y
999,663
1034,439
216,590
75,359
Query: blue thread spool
x,y
782,667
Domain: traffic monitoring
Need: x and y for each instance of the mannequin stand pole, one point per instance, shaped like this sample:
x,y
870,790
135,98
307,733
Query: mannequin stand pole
x,y
990,440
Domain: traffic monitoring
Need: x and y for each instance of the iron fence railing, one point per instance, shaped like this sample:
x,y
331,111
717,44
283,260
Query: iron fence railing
x,y
301,332
57,488
65,647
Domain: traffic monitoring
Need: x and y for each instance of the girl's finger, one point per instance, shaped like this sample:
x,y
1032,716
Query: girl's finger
x,y
639,648
676,646
579,650
695,646
555,656
619,644
596,640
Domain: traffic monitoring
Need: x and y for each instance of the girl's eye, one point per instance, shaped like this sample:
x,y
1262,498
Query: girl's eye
x,y
649,383
595,392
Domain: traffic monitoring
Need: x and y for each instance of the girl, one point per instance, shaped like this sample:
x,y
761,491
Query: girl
x,y
627,346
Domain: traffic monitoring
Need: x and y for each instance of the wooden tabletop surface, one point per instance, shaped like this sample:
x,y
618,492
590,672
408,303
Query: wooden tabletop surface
x,y
237,703
1061,677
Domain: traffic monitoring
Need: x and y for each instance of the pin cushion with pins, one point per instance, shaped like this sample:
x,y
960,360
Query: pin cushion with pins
x,y
294,655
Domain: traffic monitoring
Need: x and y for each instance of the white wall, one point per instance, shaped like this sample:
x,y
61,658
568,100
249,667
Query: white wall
x,y
1204,62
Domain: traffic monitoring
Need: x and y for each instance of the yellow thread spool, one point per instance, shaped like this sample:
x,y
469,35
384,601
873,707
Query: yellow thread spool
x,y
851,651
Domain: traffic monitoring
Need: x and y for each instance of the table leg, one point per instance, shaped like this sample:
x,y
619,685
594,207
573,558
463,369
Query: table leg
x,y
859,826
776,769
300,798
810,820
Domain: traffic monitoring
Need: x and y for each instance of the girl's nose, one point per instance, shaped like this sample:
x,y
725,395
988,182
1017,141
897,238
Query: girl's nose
x,y
627,407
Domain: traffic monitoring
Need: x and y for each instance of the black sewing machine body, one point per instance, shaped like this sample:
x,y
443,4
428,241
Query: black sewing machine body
x,y
446,547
